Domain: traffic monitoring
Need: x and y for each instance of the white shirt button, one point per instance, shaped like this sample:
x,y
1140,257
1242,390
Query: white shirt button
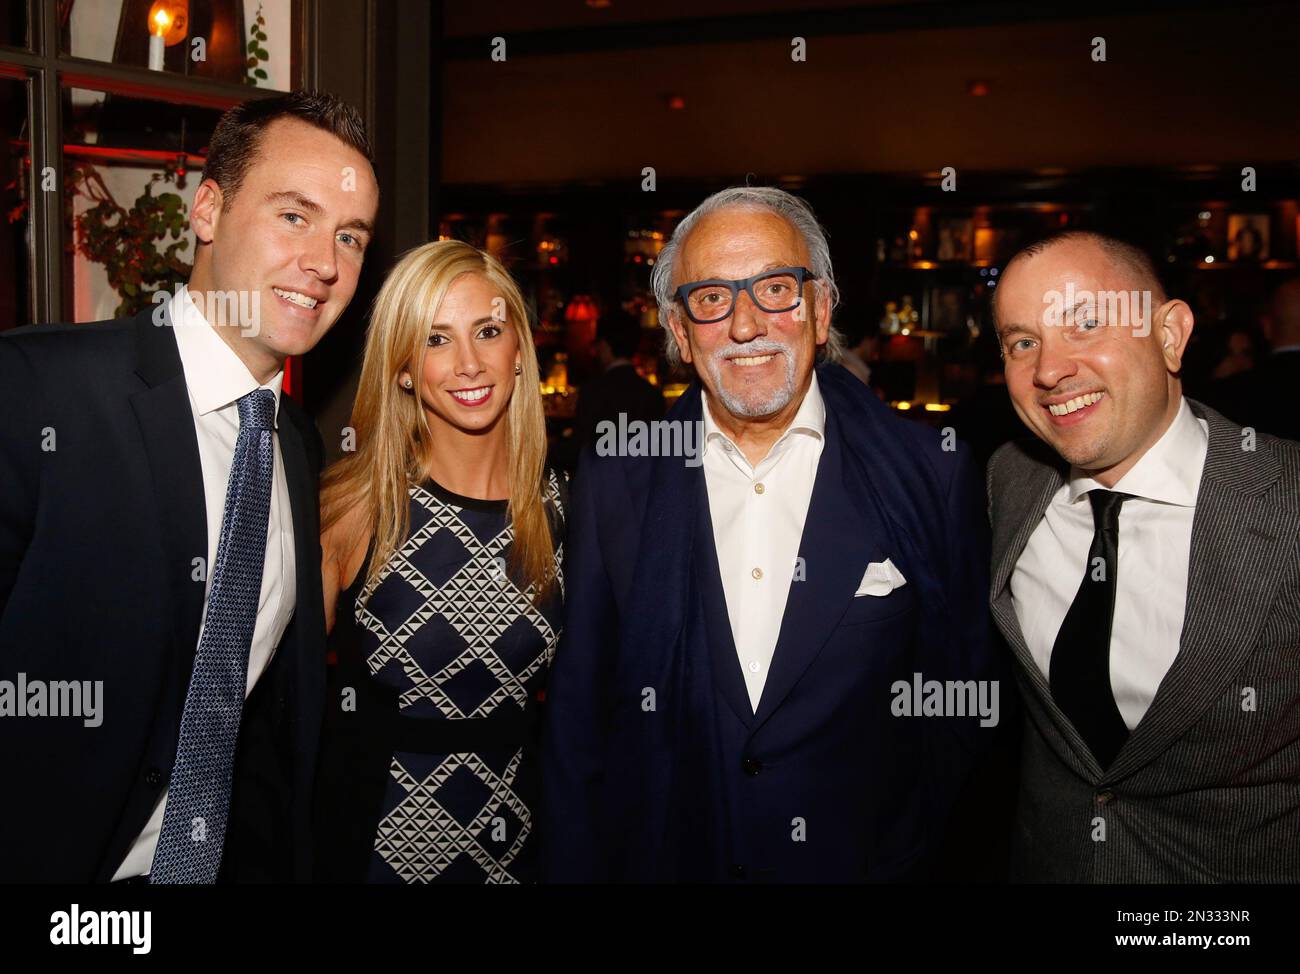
x,y
757,573
758,488
754,666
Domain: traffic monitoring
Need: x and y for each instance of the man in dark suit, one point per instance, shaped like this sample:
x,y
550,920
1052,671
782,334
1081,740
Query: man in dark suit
x,y
1146,575
748,617
619,389
1263,397
158,533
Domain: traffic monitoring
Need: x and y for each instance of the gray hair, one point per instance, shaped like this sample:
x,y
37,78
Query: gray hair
x,y
793,210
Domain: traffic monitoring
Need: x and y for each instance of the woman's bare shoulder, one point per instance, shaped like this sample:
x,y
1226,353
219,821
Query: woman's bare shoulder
x,y
343,544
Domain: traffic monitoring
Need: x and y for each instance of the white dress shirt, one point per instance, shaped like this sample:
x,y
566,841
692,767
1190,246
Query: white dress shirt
x,y
758,514
1155,544
216,380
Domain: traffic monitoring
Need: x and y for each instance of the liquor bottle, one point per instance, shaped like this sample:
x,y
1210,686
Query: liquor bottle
x,y
907,316
889,323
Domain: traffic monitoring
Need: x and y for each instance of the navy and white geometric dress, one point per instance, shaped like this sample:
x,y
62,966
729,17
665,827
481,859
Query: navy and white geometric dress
x,y
428,766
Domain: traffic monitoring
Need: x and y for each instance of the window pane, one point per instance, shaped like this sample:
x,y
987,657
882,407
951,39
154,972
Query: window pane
x,y
237,41
131,167
16,191
13,23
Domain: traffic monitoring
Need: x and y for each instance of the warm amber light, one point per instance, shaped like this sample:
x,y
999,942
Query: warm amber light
x,y
904,405
937,407
169,19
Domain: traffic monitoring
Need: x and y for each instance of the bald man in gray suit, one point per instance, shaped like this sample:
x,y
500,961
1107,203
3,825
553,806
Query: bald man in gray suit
x,y
1146,573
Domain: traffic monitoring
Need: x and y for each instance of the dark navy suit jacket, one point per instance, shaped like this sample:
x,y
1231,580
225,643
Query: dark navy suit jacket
x,y
656,766
97,583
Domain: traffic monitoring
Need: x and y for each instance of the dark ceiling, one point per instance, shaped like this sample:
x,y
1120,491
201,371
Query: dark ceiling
x,y
584,94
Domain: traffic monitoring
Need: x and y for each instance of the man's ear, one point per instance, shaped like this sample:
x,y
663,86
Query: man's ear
x,y
205,212
679,332
1174,331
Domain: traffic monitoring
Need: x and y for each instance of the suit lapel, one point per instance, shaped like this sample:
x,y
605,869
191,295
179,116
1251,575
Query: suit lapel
x,y
1010,538
166,423
305,514
652,627
1239,547
843,532
298,481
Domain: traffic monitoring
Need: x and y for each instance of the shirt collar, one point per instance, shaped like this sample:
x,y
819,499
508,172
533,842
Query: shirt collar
x,y
810,419
1169,472
214,374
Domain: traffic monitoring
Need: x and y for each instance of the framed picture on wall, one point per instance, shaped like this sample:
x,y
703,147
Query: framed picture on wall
x,y
1248,237
947,308
956,239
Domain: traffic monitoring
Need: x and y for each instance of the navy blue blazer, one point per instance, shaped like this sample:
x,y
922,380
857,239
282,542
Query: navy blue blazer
x,y
656,767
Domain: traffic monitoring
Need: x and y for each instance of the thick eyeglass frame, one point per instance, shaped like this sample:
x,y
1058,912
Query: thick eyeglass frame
x,y
803,275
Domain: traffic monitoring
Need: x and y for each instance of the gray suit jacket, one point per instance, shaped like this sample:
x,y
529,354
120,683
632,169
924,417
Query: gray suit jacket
x,y
1205,789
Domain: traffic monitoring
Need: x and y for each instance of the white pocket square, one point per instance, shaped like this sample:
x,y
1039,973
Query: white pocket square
x,y
881,578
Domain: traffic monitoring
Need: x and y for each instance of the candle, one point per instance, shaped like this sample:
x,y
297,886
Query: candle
x,y
159,21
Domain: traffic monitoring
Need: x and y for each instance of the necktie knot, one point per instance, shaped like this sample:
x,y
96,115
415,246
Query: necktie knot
x,y
1105,508
257,410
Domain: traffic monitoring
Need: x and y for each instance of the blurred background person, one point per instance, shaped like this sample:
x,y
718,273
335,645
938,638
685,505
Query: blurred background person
x,y
863,352
1263,396
619,388
1239,353
986,418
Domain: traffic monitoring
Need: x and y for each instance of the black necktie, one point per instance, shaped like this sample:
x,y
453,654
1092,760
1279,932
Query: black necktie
x,y
1080,667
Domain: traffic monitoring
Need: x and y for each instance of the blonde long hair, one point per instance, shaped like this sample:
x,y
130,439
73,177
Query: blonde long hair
x,y
394,442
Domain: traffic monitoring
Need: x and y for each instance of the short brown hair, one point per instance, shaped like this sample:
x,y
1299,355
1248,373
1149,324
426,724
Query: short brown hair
x,y
238,135
1132,257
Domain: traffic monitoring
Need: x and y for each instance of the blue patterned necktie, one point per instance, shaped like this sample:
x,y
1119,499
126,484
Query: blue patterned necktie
x,y
198,797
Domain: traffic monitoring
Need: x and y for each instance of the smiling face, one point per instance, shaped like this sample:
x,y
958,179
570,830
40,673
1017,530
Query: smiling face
x,y
294,235
755,364
468,371
1099,387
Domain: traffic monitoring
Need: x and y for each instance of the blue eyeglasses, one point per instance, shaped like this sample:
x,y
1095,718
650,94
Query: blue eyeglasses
x,y
774,291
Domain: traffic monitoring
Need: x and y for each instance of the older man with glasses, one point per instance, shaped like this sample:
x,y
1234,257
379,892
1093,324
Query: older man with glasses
x,y
737,694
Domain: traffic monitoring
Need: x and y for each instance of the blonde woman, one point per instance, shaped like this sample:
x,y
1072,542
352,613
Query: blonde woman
x,y
443,586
